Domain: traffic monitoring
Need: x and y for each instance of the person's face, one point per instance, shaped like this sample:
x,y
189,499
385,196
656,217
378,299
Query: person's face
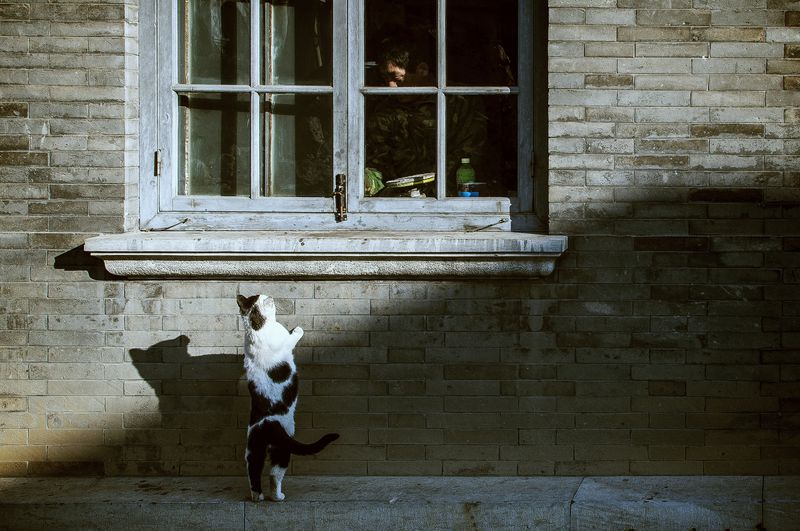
x,y
394,74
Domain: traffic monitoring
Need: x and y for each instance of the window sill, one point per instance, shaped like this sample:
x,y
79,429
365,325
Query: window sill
x,y
269,254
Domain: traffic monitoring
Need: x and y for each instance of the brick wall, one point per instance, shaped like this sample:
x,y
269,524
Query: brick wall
x,y
667,341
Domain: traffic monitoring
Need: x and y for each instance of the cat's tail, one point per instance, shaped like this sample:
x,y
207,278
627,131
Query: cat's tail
x,y
281,438
298,448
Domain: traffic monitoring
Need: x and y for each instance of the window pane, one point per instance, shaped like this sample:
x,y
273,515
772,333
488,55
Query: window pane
x,y
297,42
482,129
482,43
298,145
400,43
215,41
215,144
400,133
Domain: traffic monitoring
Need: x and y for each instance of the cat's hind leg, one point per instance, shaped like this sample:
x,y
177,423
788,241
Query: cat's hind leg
x,y
280,462
276,483
254,456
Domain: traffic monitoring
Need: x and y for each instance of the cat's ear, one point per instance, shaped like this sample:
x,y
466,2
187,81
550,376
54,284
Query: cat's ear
x,y
245,303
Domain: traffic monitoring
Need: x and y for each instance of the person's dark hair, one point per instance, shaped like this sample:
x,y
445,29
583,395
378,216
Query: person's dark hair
x,y
393,54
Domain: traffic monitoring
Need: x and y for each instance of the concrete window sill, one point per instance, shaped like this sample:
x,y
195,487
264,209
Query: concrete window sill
x,y
271,254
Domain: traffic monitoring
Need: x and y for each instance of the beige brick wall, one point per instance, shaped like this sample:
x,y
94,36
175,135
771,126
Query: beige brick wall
x,y
667,341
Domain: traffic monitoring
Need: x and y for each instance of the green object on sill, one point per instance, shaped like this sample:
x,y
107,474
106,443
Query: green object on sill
x,y
373,181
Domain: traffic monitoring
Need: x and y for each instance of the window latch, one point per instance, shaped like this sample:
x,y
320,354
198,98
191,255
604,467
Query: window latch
x,y
340,198
157,163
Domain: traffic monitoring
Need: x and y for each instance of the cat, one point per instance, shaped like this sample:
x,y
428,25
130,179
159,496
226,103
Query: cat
x,y
272,382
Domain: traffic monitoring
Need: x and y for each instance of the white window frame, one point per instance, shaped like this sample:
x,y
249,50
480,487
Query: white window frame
x,y
162,207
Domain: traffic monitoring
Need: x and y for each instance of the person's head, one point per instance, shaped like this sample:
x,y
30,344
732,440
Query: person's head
x,y
392,65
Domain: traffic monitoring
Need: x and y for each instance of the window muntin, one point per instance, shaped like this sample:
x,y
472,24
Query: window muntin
x,y
483,128
258,138
297,38
400,139
297,133
440,69
215,144
215,42
482,46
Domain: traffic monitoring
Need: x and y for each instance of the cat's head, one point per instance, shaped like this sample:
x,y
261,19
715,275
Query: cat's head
x,y
256,310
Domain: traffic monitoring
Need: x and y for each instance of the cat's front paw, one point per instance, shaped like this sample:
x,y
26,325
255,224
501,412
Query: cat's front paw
x,y
277,496
297,331
256,496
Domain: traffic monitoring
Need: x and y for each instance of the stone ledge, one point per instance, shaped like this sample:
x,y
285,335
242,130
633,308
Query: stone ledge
x,y
389,503
345,254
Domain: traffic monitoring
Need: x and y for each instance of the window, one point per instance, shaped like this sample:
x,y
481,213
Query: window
x,y
254,112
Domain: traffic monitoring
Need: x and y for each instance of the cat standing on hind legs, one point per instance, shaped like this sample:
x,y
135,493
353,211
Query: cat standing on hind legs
x,y
272,382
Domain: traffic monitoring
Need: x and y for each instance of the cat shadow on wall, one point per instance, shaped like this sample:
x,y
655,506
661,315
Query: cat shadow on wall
x,y
195,424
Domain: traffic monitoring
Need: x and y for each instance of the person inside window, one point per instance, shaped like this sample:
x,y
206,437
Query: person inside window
x,y
392,65
400,129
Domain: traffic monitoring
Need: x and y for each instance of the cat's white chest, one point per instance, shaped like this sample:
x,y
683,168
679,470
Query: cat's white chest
x,y
268,345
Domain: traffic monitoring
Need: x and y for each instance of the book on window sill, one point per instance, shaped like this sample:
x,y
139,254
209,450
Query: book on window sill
x,y
411,180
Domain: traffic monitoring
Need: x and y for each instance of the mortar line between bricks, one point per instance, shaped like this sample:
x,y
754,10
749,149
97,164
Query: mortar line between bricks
x,y
572,502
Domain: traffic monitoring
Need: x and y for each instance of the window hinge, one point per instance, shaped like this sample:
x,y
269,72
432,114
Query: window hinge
x,y
340,198
157,163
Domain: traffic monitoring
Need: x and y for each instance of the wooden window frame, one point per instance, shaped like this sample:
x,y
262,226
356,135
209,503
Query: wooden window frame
x,y
162,207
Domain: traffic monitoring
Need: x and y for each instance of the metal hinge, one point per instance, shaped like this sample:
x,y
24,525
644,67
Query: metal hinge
x,y
157,163
340,198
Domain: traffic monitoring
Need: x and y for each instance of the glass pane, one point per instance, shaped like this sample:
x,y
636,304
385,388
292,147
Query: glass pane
x,y
215,144
400,133
400,43
215,41
298,145
482,130
297,42
482,43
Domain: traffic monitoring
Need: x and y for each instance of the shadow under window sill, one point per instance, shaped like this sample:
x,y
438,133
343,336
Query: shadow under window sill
x,y
340,254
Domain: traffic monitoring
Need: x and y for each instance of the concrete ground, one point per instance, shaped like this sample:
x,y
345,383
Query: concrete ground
x,y
390,503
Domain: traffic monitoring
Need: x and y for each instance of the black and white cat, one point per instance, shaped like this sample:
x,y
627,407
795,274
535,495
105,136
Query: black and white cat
x,y
272,381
